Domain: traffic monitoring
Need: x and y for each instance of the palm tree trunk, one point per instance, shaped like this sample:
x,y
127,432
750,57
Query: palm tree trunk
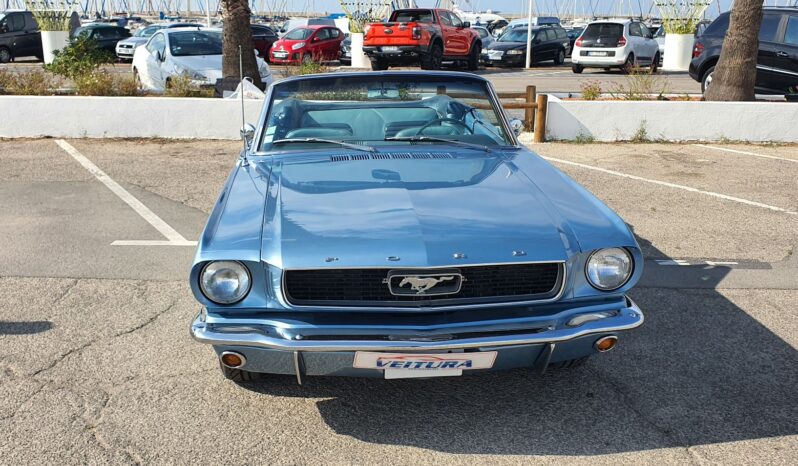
x,y
236,15
735,73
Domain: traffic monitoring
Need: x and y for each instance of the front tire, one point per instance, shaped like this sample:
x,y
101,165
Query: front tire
x,y
577,68
560,58
706,80
655,64
433,59
237,375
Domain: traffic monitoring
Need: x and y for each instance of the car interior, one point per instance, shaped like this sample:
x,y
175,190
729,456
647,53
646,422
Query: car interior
x,y
370,121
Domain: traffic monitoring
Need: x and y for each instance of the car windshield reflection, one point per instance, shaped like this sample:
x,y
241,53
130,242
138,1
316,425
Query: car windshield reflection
x,y
389,110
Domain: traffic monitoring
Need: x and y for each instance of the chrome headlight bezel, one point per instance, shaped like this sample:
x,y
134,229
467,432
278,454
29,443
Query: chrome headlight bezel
x,y
591,273
242,273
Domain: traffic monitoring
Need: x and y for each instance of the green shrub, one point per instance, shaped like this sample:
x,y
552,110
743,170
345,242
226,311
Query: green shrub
x,y
641,84
304,68
641,135
81,57
183,86
102,83
591,90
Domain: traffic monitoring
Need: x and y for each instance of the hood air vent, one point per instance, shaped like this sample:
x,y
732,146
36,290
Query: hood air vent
x,y
391,156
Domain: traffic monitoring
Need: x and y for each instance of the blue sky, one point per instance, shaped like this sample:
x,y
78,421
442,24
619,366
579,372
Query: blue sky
x,y
519,6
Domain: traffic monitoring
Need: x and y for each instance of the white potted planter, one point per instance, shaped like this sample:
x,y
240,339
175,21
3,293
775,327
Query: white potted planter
x,y
678,51
359,59
52,41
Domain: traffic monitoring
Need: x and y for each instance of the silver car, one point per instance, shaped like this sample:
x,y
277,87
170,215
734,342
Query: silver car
x,y
126,47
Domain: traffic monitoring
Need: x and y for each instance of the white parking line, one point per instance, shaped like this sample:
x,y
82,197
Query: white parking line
x,y
675,186
742,152
174,238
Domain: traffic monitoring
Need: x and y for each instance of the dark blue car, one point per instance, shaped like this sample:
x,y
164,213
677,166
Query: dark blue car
x,y
391,225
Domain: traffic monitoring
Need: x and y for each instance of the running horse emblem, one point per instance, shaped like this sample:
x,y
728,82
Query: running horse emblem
x,y
420,285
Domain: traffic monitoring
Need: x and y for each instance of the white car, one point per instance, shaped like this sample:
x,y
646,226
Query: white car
x,y
623,44
193,52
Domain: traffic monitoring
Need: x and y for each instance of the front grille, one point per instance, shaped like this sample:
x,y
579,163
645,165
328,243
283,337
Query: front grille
x,y
367,287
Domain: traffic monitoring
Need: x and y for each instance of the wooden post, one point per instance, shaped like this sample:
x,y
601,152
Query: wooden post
x,y
540,118
529,112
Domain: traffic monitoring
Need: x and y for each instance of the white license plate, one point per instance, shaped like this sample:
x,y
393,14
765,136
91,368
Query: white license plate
x,y
597,54
413,365
495,55
390,49
280,54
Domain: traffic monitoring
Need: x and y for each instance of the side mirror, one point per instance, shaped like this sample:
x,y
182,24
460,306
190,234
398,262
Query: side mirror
x,y
466,24
517,126
248,134
158,55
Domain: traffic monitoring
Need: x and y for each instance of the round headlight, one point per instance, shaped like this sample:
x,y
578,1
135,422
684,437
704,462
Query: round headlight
x,y
608,269
225,282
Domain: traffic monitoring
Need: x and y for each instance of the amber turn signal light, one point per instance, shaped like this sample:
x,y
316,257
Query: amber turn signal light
x,y
233,359
606,343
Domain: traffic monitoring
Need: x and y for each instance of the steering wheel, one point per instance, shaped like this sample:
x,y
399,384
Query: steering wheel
x,y
444,120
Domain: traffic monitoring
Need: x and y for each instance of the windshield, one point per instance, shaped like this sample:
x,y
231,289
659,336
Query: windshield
x,y
371,111
299,34
195,43
514,35
148,31
411,16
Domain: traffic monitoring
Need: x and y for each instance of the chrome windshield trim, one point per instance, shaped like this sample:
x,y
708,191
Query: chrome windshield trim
x,y
628,318
430,307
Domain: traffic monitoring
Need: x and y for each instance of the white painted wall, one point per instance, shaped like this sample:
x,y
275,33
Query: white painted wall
x,y
672,121
124,117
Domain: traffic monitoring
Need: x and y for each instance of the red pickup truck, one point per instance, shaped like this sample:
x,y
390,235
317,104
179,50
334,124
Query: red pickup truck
x,y
422,36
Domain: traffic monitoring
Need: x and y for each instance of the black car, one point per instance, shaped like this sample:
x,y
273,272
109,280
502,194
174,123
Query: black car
x,y
106,35
263,37
548,43
777,61
573,34
19,36
345,55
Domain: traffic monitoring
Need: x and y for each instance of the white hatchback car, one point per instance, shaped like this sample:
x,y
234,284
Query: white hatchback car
x,y
193,52
623,44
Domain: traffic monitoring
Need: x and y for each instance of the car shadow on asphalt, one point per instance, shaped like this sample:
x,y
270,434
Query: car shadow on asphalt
x,y
699,371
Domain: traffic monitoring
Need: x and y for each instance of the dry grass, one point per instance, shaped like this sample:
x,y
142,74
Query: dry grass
x,y
32,82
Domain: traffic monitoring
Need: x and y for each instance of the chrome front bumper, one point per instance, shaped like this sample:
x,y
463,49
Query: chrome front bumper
x,y
283,336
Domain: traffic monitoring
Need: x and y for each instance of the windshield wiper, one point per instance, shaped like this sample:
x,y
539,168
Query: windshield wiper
x,y
437,139
329,141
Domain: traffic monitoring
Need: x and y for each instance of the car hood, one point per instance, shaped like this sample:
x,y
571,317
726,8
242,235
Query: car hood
x,y
506,46
134,41
423,211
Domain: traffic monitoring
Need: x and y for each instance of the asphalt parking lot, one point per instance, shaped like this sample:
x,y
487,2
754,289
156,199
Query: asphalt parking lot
x,y
96,364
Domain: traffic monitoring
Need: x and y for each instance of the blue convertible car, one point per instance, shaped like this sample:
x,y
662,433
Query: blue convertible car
x,y
391,225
